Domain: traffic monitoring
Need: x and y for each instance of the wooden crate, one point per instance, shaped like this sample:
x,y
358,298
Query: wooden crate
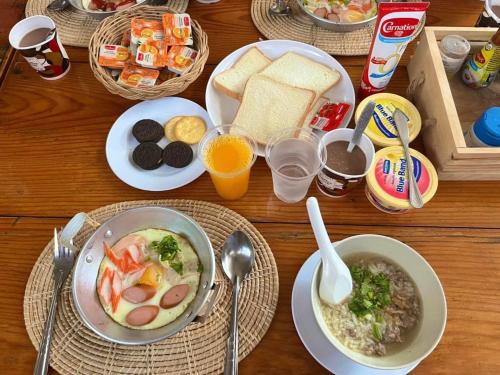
x,y
437,99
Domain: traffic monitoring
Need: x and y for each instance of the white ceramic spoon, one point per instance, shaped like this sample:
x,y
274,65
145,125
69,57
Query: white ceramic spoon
x,y
336,282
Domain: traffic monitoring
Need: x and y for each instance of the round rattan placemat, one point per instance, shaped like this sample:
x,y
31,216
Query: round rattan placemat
x,y
199,348
300,27
74,26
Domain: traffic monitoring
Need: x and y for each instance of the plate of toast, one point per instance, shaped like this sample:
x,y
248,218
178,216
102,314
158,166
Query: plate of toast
x,y
271,85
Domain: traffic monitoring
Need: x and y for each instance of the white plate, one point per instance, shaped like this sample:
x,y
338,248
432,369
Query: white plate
x,y
312,337
121,143
222,108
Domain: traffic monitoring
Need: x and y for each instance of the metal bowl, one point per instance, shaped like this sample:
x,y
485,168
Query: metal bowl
x,y
90,257
336,26
98,14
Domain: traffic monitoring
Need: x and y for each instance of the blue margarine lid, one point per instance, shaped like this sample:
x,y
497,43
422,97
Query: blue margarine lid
x,y
487,127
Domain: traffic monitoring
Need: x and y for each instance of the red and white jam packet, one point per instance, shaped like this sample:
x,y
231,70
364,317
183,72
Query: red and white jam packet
x,y
329,116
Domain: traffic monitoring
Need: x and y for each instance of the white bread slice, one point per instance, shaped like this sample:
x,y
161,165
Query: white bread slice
x,y
232,81
314,109
269,106
300,71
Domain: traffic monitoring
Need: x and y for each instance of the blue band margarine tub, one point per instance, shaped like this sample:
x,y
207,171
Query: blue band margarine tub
x,y
381,128
387,181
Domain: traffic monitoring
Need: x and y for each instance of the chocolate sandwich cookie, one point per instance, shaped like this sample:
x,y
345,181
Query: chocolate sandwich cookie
x,y
178,154
147,131
147,155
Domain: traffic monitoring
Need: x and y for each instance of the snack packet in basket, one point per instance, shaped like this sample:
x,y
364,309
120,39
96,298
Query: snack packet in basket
x,y
137,76
113,56
151,54
179,58
142,30
177,29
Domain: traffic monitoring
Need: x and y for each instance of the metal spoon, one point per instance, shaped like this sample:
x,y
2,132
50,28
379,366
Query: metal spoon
x,y
58,5
402,126
361,125
238,257
280,8
336,281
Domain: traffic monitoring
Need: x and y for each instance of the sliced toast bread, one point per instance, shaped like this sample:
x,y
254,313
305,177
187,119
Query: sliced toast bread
x,y
300,71
263,110
232,81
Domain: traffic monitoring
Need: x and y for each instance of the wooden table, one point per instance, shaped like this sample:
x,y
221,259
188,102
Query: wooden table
x,y
52,165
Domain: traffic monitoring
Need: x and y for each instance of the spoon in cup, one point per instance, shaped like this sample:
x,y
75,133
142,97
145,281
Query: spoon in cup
x,y
361,125
336,281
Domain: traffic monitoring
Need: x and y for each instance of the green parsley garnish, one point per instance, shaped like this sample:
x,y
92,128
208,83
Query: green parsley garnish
x,y
177,266
168,249
372,293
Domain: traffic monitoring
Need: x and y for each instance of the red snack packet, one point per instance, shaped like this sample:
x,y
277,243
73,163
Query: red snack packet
x,y
330,116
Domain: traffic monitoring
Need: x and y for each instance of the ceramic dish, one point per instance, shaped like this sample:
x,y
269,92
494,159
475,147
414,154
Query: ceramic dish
x,y
432,301
84,282
120,144
311,336
222,108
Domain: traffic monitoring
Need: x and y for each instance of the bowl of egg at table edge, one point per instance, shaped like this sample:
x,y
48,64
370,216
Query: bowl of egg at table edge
x,y
87,269
421,339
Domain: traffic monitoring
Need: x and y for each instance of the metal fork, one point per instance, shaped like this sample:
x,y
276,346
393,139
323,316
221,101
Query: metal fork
x,y
63,263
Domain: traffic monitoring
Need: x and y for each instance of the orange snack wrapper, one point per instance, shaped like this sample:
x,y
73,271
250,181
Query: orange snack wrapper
x,y
142,30
137,76
177,29
151,54
179,58
113,56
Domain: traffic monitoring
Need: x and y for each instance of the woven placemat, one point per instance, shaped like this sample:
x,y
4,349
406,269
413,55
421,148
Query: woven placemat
x,y
76,27
199,348
300,27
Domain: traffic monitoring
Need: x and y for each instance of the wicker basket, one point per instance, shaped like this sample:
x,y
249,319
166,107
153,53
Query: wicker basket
x,y
110,31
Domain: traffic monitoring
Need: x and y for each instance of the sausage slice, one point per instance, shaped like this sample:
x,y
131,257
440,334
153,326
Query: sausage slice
x,y
139,293
174,296
142,315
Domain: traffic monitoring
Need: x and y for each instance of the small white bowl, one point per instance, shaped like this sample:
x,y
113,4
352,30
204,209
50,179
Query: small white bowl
x,y
432,300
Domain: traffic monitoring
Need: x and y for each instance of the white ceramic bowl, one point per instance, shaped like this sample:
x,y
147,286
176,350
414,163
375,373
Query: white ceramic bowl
x,y
433,302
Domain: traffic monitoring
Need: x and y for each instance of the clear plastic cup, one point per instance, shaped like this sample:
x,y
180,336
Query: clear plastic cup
x,y
228,153
295,157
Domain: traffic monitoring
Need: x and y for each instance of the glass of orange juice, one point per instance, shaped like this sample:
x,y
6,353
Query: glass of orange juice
x,y
228,153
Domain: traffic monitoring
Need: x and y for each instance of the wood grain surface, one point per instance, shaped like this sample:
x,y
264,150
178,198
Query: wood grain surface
x,y
469,345
52,165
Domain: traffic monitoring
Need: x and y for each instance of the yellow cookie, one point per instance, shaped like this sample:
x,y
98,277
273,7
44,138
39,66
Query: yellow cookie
x,y
190,129
170,128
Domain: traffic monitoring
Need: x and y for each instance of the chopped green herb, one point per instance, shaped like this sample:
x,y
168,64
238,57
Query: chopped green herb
x,y
376,331
177,266
372,293
200,267
167,248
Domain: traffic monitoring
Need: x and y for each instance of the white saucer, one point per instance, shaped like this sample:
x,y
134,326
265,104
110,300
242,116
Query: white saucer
x,y
121,143
312,337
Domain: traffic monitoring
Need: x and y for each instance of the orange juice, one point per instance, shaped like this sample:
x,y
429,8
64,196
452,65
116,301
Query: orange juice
x,y
228,159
